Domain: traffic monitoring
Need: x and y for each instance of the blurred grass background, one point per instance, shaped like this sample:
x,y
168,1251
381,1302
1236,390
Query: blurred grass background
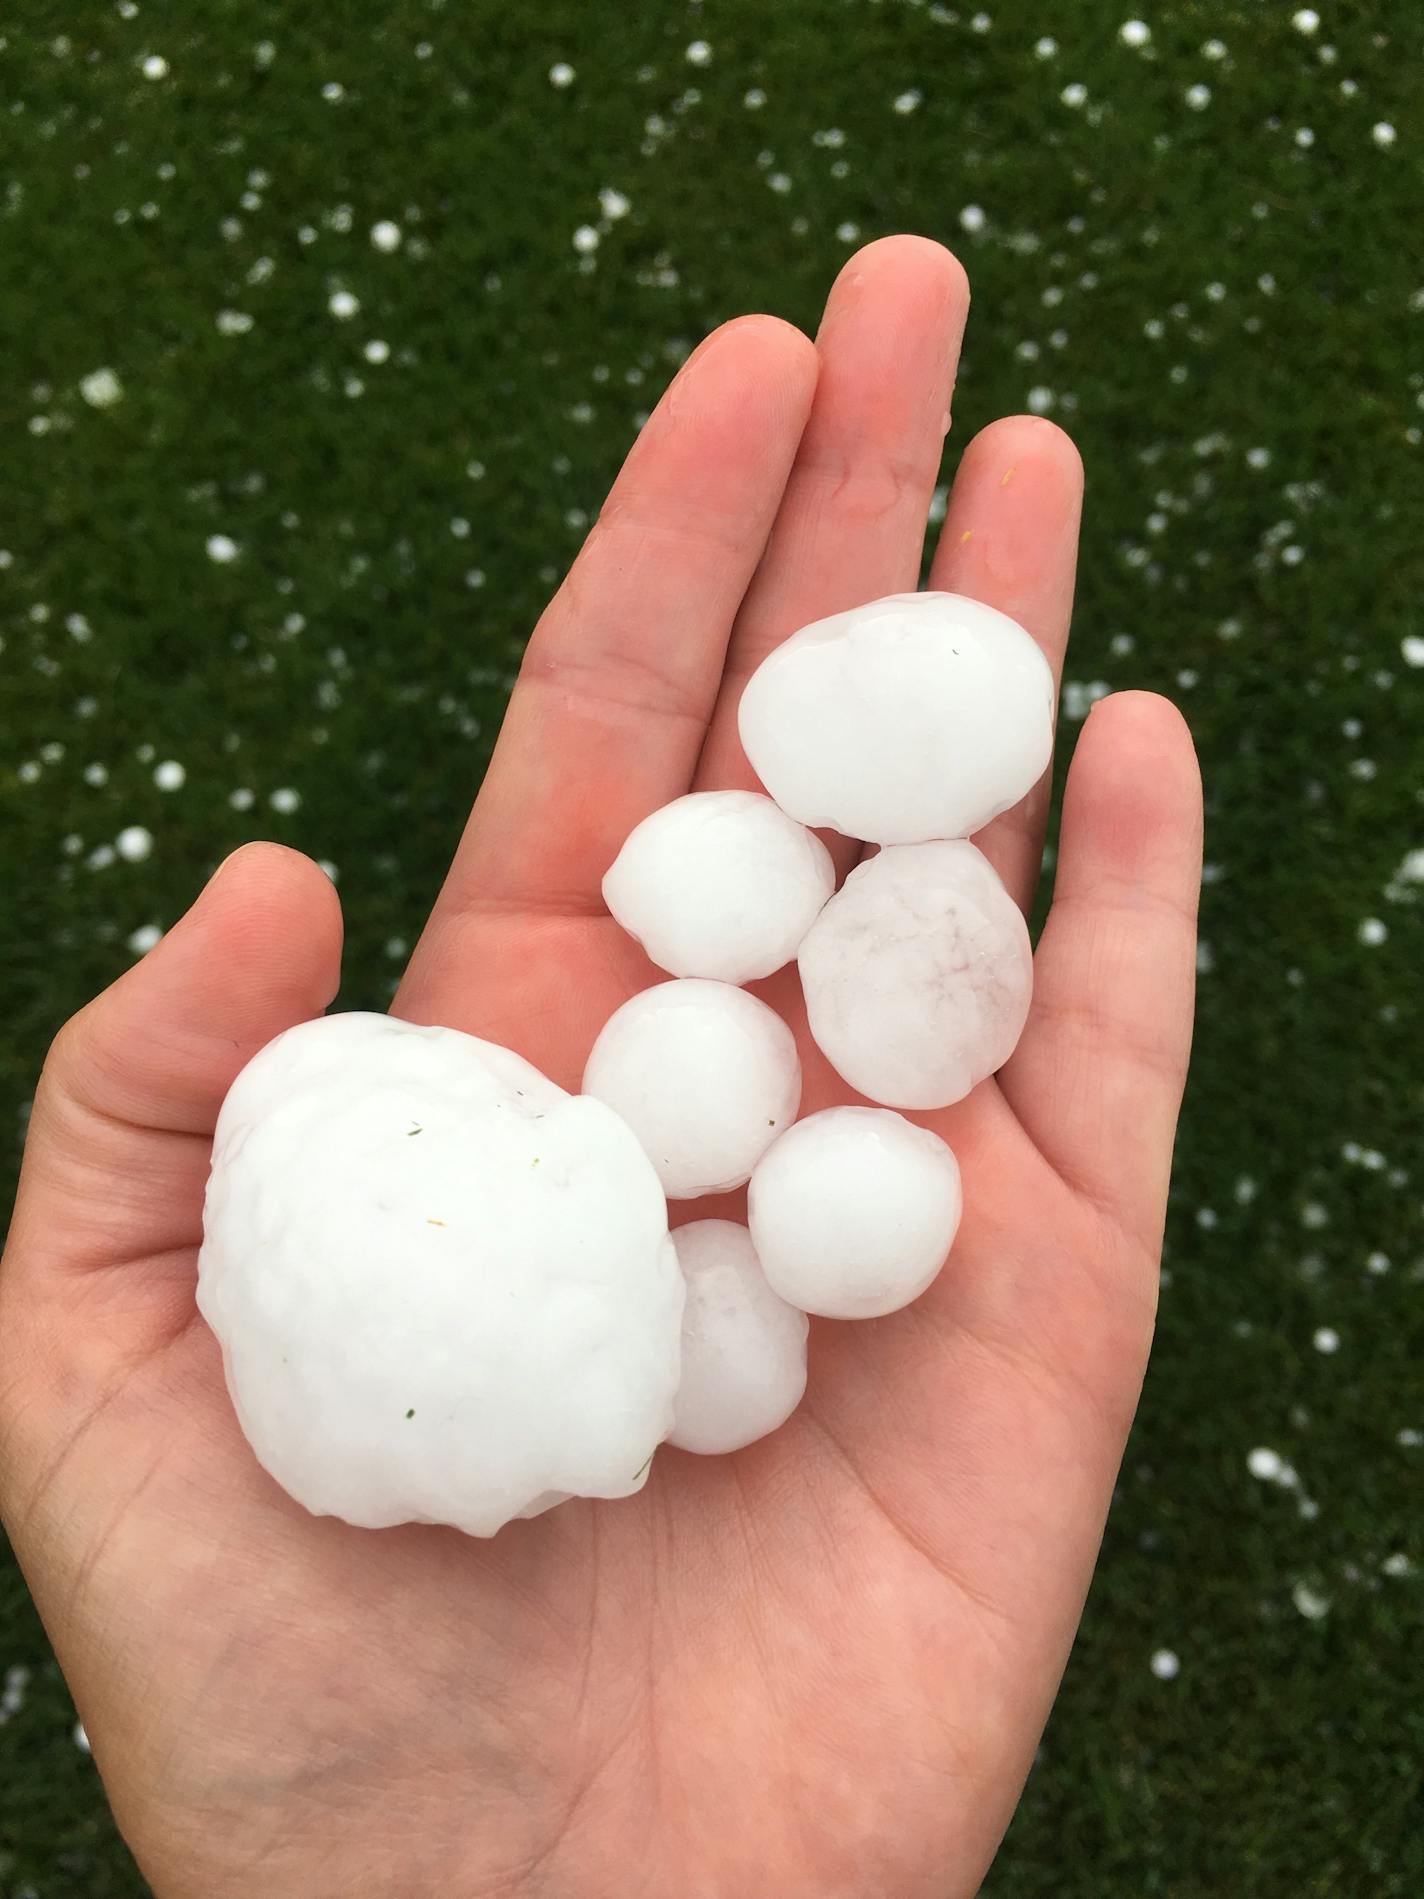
x,y
292,542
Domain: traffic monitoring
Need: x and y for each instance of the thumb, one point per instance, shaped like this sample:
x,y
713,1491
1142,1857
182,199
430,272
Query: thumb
x,y
133,1083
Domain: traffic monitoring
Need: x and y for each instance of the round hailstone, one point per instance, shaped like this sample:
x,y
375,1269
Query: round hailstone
x,y
920,716
705,1075
743,1347
444,1289
720,884
917,975
852,1212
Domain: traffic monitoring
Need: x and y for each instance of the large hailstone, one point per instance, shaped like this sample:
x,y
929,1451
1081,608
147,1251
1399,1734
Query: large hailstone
x,y
720,884
917,975
919,716
853,1211
705,1075
444,1289
743,1347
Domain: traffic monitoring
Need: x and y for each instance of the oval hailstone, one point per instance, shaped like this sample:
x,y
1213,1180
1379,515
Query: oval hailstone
x,y
719,884
704,1074
919,716
852,1212
444,1289
917,975
743,1347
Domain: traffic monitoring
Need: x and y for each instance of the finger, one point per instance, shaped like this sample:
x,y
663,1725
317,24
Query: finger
x,y
1010,538
621,673
852,524
1097,1078
130,1093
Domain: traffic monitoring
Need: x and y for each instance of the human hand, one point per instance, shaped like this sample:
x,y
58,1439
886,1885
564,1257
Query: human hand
x,y
819,1666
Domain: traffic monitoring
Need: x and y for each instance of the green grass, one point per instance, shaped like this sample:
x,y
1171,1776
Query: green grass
x,y
1199,286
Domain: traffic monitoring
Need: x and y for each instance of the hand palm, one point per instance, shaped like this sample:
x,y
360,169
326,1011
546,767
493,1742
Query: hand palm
x,y
818,1665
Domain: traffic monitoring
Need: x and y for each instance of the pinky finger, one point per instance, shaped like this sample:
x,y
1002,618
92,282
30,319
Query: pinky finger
x,y
1097,1078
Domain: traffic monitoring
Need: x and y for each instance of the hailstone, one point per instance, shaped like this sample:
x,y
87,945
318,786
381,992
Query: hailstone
x,y
444,1289
852,1212
919,716
704,1074
720,884
917,975
743,1347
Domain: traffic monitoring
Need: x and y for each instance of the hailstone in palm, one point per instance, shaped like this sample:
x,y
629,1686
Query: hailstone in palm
x,y
917,975
919,716
444,1288
706,1076
743,1346
853,1210
720,884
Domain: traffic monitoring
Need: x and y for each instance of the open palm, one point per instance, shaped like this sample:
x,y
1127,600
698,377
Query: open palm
x,y
818,1667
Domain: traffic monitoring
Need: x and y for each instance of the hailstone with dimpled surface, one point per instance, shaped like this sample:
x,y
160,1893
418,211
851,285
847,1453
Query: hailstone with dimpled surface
x,y
853,1211
720,884
917,975
444,1288
918,716
743,1346
704,1074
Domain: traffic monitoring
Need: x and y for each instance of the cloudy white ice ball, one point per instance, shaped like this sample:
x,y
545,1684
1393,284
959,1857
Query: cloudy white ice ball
x,y
917,975
719,884
704,1074
743,1346
444,1289
919,716
852,1212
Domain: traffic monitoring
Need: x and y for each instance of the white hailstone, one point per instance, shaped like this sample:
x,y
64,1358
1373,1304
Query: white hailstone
x,y
704,1074
386,235
169,775
853,1210
743,1347
919,716
917,975
720,884
101,388
134,843
444,1289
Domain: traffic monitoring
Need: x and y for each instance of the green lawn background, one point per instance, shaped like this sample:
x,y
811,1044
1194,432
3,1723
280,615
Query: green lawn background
x,y
1200,254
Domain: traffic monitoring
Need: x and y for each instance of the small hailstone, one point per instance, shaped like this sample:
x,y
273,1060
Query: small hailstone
x,y
386,235
743,1347
101,389
917,975
463,1272
704,1074
1165,1664
134,843
343,305
169,775
222,548
1383,133
720,884
853,1210
154,67
918,716
1134,32
144,938
561,74
1265,1464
